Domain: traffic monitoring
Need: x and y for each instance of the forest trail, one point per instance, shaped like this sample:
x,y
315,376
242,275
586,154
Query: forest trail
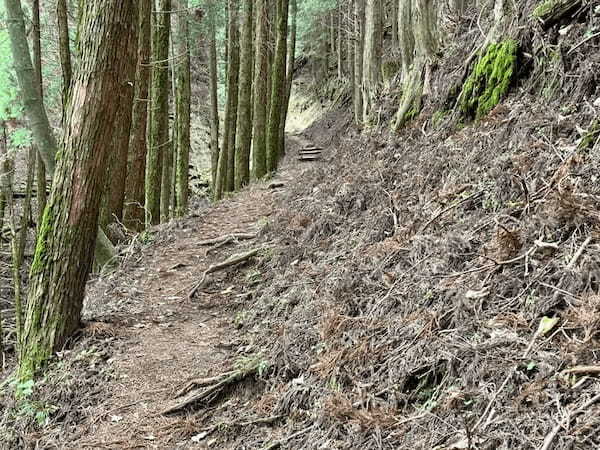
x,y
165,339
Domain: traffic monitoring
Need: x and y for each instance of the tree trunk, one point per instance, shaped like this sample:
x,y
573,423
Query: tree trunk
x,y
214,99
274,150
372,55
64,50
359,40
183,99
114,191
159,117
259,166
34,106
225,167
37,65
289,73
63,254
340,53
244,119
134,188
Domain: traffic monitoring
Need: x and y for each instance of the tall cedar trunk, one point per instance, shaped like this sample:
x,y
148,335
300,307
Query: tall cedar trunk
x,y
63,254
406,36
395,24
259,145
350,48
225,169
134,188
64,49
289,73
359,27
159,116
214,99
233,77
183,98
340,53
37,65
244,119
372,54
114,191
274,149
34,106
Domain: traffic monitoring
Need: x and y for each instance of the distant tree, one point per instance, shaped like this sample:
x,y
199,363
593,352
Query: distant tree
x,y
260,90
213,87
134,188
274,149
244,119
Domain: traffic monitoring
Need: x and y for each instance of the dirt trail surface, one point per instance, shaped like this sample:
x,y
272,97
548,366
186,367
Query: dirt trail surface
x,y
147,339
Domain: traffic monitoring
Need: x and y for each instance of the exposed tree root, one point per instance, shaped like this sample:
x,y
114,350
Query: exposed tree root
x,y
235,259
215,387
228,238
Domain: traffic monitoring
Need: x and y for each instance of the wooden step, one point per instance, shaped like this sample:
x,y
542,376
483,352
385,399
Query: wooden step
x,y
309,158
310,152
311,147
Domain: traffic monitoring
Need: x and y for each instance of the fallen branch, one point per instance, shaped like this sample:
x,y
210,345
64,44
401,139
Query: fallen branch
x,y
228,238
580,370
220,383
235,259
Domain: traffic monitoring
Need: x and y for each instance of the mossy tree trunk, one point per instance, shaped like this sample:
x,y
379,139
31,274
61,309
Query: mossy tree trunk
x,y
289,72
35,111
159,139
274,150
214,99
225,166
244,118
183,99
63,254
134,215
259,154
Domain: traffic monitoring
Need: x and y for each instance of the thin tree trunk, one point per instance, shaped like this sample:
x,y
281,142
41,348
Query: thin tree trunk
x,y
134,190
183,99
225,167
37,65
63,254
274,149
359,21
372,55
244,119
64,50
159,117
214,99
340,53
259,166
289,73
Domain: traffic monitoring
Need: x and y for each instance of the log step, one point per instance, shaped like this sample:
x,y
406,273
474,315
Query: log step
x,y
310,152
309,158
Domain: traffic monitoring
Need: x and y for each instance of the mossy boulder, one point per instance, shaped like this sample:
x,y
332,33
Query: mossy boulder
x,y
489,80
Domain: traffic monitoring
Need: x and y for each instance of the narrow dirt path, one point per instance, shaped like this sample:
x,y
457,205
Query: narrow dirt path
x,y
164,338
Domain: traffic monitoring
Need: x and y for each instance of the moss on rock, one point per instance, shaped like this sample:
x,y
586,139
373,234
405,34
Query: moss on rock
x,y
490,79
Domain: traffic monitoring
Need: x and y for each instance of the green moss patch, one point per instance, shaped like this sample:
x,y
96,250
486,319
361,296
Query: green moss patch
x,y
490,79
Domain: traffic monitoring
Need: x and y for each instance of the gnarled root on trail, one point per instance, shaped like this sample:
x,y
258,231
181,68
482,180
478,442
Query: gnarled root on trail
x,y
216,386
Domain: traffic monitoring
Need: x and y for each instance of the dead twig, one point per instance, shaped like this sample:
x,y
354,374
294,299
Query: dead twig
x,y
564,423
580,370
227,238
280,442
235,259
449,208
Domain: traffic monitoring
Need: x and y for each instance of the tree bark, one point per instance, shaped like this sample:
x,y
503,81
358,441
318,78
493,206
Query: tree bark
x,y
274,150
372,55
259,166
63,254
64,50
183,99
134,192
214,99
37,65
359,22
225,166
159,117
244,119
289,72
